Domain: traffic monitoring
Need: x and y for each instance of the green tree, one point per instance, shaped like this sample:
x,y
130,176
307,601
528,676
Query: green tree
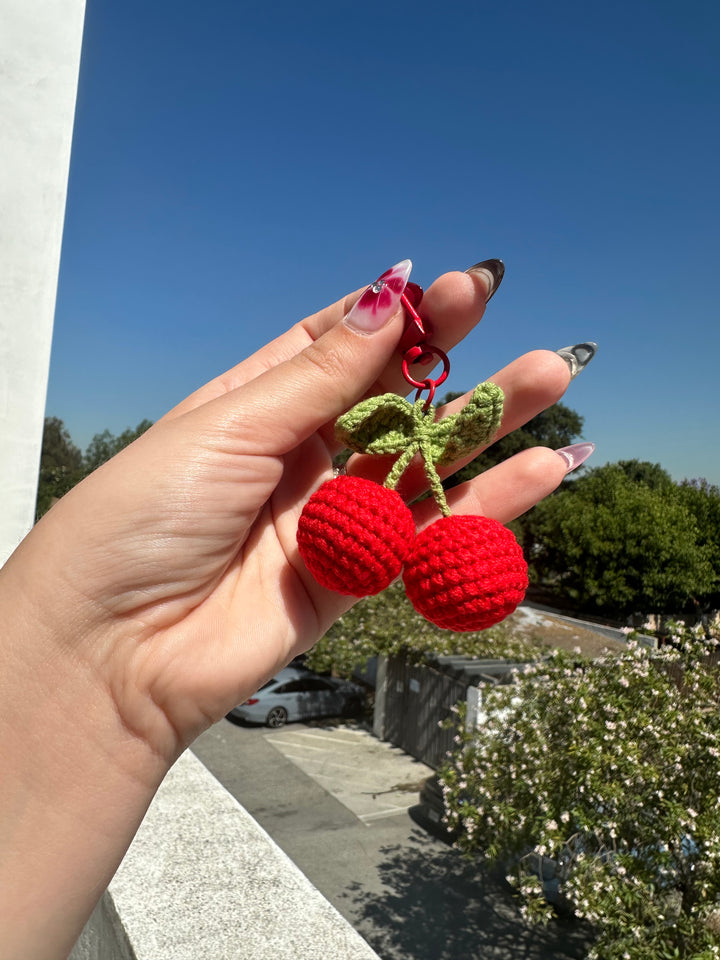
x,y
58,450
105,445
610,769
614,545
61,465
702,500
650,474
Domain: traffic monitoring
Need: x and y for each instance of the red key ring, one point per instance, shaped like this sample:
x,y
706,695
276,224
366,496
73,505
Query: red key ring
x,y
415,349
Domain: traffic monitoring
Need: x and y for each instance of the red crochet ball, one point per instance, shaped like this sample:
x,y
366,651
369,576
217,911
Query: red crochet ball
x,y
354,534
465,573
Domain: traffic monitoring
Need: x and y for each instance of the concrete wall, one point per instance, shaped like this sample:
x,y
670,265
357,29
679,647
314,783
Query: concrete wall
x,y
203,880
39,62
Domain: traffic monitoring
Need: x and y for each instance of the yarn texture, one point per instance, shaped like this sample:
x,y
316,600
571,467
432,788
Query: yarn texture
x,y
356,536
353,535
389,424
465,573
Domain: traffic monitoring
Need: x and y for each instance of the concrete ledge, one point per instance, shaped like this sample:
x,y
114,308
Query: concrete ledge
x,y
202,879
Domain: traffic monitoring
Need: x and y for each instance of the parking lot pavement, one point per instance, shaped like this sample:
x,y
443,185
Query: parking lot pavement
x,y
371,778
411,896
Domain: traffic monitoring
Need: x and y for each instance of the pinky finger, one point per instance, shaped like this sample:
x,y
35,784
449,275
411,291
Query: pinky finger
x,y
505,491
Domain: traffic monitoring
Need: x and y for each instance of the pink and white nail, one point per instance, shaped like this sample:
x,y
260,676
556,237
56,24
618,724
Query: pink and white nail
x,y
381,299
575,454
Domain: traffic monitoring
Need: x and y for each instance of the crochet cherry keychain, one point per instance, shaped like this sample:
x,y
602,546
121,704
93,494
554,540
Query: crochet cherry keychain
x,y
356,536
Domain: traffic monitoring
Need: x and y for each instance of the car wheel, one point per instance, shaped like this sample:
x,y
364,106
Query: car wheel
x,y
277,717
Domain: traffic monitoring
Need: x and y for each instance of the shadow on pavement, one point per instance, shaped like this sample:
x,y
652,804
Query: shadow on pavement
x,y
438,905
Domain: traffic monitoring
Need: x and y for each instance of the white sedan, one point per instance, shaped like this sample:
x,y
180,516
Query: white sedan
x,y
299,694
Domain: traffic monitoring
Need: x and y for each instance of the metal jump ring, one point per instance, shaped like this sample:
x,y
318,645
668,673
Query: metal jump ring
x,y
413,355
429,383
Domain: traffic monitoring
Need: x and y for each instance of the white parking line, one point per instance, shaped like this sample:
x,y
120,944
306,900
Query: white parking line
x,y
329,763
316,736
381,814
293,743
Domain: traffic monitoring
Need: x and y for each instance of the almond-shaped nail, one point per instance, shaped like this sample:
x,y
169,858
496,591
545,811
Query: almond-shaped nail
x,y
578,356
575,455
492,272
381,299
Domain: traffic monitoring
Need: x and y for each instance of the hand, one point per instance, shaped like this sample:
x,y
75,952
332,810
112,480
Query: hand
x,y
176,565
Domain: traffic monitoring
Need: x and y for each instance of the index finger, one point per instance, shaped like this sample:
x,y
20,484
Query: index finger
x,y
453,305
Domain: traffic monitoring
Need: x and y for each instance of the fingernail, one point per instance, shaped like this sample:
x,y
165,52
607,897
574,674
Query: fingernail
x,y
493,271
381,299
575,454
578,356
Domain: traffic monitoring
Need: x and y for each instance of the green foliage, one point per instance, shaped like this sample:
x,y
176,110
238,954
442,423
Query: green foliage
x,y
650,474
613,543
387,624
611,769
62,465
105,445
702,500
58,450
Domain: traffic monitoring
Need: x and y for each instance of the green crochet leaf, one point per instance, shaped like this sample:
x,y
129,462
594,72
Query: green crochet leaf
x,y
389,425
379,425
473,426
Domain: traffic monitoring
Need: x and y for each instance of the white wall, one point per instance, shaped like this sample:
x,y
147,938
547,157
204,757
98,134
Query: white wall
x,y
39,61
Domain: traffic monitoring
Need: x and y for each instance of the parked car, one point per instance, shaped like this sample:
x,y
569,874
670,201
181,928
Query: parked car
x,y
298,694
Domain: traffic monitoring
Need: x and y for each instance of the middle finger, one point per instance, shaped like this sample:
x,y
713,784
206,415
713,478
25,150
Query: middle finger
x,y
531,384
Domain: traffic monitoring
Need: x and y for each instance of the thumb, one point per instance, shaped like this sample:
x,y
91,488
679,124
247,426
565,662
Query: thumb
x,y
292,400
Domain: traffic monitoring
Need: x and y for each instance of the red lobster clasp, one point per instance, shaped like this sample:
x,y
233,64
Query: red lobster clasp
x,y
414,347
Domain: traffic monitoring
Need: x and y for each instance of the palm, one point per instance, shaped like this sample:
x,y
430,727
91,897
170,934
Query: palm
x,y
202,565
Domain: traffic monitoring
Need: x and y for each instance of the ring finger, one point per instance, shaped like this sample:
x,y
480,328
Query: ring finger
x,y
531,384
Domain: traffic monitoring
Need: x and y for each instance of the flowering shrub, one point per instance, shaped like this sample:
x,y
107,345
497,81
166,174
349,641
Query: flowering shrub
x,y
387,624
610,768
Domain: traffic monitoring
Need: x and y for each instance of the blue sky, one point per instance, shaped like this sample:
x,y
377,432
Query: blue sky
x,y
237,166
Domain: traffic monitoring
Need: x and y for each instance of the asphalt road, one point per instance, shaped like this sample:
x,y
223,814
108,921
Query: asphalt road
x,y
407,893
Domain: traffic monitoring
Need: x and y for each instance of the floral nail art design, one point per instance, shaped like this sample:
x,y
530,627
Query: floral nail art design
x,y
380,301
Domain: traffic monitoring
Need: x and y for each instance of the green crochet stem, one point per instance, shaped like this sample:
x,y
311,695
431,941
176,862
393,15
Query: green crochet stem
x,y
389,425
421,443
